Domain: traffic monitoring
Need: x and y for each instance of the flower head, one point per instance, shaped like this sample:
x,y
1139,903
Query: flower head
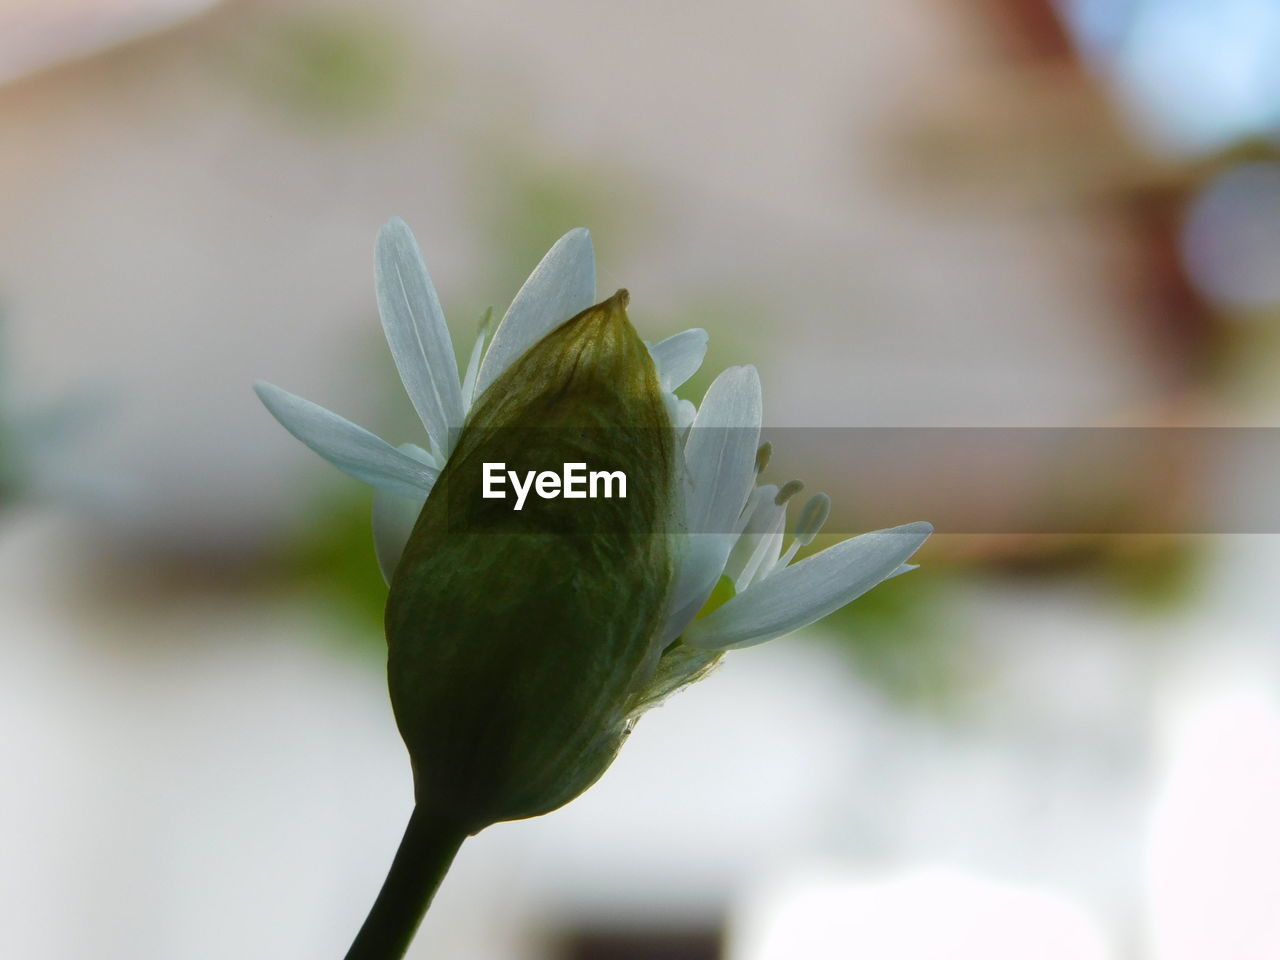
x,y
522,646
725,567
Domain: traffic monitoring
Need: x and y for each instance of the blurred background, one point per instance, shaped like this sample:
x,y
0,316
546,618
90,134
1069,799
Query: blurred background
x,y
990,213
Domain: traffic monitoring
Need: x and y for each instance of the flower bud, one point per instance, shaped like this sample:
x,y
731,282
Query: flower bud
x,y
516,636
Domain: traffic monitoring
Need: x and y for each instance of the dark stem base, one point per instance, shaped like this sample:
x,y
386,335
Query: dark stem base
x,y
428,848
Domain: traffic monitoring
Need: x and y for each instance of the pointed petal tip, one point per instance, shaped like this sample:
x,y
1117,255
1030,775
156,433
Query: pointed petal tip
x,y
913,535
578,237
393,223
920,528
393,231
349,447
392,234
679,357
271,395
745,373
742,382
562,285
417,335
903,568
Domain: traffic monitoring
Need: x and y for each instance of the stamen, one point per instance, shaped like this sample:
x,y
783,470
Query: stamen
x,y
789,490
812,517
762,457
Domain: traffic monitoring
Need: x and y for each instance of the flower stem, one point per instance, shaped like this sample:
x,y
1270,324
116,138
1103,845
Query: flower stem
x,y
428,848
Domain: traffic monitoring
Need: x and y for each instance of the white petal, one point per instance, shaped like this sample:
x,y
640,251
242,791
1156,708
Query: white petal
x,y
473,364
765,555
416,332
394,517
393,520
798,595
350,448
718,477
764,519
720,452
560,287
699,563
679,412
679,357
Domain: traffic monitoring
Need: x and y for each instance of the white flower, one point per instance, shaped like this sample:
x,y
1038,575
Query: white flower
x,y
734,586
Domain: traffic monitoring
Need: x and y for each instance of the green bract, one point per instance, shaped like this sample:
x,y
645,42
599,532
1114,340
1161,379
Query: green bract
x,y
516,638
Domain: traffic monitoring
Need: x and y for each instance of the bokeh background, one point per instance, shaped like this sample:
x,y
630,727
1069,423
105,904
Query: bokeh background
x,y
1010,213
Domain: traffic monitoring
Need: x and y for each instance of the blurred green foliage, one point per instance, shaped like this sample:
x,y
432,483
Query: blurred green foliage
x,y
739,333
908,637
1153,573
900,640
1159,579
331,66
332,560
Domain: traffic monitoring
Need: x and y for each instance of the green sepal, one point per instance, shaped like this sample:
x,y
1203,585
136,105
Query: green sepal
x,y
516,638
